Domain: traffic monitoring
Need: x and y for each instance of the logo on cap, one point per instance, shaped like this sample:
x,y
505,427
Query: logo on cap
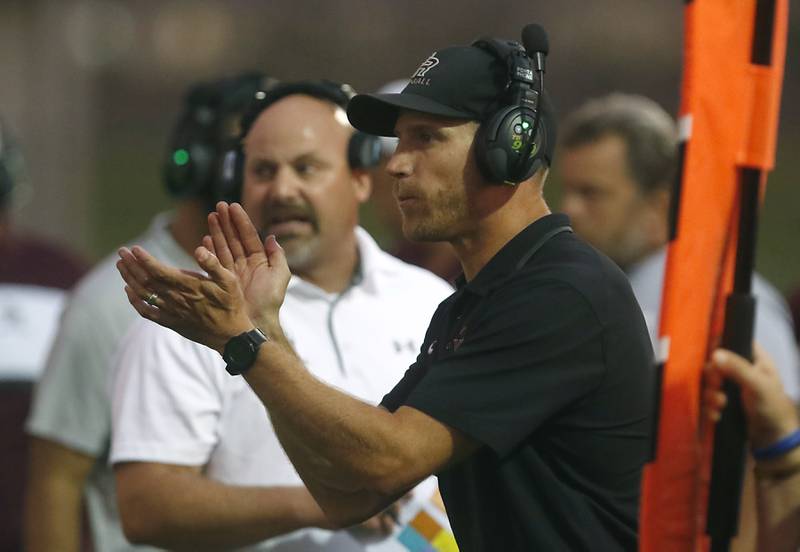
x,y
419,75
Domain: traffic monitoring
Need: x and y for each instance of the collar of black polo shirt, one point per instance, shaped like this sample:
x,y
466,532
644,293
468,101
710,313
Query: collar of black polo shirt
x,y
515,254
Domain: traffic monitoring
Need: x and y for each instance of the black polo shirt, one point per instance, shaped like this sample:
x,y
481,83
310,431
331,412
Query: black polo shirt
x,y
549,366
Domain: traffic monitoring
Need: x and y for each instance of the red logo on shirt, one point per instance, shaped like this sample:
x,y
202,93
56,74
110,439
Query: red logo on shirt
x,y
457,340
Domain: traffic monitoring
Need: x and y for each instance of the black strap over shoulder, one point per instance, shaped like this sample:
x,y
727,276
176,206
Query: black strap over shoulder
x,y
539,244
448,336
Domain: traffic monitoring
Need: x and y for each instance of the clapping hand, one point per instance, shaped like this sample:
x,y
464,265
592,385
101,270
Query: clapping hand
x,y
244,284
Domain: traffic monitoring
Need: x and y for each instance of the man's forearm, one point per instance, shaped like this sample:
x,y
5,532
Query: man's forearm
x,y
335,441
53,514
355,458
54,497
170,507
343,505
344,440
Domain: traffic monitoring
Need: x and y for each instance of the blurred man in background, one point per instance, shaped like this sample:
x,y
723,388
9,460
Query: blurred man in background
x,y
618,163
34,277
197,462
70,420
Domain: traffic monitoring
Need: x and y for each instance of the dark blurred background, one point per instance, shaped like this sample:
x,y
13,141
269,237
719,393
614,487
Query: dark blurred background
x,y
92,88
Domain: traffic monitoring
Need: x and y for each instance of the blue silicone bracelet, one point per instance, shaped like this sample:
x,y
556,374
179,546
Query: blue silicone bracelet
x,y
778,448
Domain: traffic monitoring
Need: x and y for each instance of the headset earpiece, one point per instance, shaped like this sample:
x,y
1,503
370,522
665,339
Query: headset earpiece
x,y
510,144
363,150
503,140
191,152
202,138
228,187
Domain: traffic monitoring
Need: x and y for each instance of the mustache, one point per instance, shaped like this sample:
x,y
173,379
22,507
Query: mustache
x,y
281,212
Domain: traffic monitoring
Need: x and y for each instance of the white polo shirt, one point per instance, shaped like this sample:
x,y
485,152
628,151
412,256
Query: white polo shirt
x,y
173,402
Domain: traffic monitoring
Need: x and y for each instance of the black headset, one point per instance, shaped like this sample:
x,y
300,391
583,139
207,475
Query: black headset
x,y
511,144
209,119
363,150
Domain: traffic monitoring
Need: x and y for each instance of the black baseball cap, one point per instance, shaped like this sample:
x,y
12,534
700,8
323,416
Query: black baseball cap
x,y
458,82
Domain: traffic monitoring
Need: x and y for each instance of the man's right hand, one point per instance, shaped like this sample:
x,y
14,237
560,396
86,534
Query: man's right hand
x,y
261,268
245,286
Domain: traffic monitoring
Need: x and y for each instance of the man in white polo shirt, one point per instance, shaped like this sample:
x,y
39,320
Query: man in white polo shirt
x,y
195,464
70,418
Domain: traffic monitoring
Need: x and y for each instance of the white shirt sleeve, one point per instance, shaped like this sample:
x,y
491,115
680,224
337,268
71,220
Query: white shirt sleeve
x,y
166,398
71,404
775,332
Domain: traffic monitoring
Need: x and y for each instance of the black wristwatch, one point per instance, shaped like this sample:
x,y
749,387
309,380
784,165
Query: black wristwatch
x,y
240,351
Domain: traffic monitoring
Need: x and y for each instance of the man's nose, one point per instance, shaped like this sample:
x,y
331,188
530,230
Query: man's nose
x,y
400,164
285,184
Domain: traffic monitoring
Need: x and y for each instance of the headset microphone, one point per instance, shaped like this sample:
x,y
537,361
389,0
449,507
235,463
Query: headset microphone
x,y
534,39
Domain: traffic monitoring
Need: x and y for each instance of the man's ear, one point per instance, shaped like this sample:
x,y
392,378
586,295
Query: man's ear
x,y
657,214
659,202
362,184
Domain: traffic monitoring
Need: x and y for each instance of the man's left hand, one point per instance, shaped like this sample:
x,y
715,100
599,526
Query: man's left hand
x,y
245,286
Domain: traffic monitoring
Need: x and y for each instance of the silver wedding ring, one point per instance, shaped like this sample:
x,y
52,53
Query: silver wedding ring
x,y
151,299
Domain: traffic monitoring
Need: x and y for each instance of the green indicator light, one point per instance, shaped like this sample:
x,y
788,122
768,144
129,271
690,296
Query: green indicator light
x,y
525,124
180,157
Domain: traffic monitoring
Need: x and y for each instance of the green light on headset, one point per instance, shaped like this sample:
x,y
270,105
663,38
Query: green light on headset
x,y
180,157
525,125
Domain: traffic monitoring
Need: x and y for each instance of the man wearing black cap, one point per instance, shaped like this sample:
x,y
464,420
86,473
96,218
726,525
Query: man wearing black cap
x,y
531,395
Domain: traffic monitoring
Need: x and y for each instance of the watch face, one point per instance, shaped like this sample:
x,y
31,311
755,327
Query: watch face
x,y
239,351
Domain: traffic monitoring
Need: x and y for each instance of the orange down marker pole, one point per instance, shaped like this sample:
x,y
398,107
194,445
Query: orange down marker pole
x,y
733,71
